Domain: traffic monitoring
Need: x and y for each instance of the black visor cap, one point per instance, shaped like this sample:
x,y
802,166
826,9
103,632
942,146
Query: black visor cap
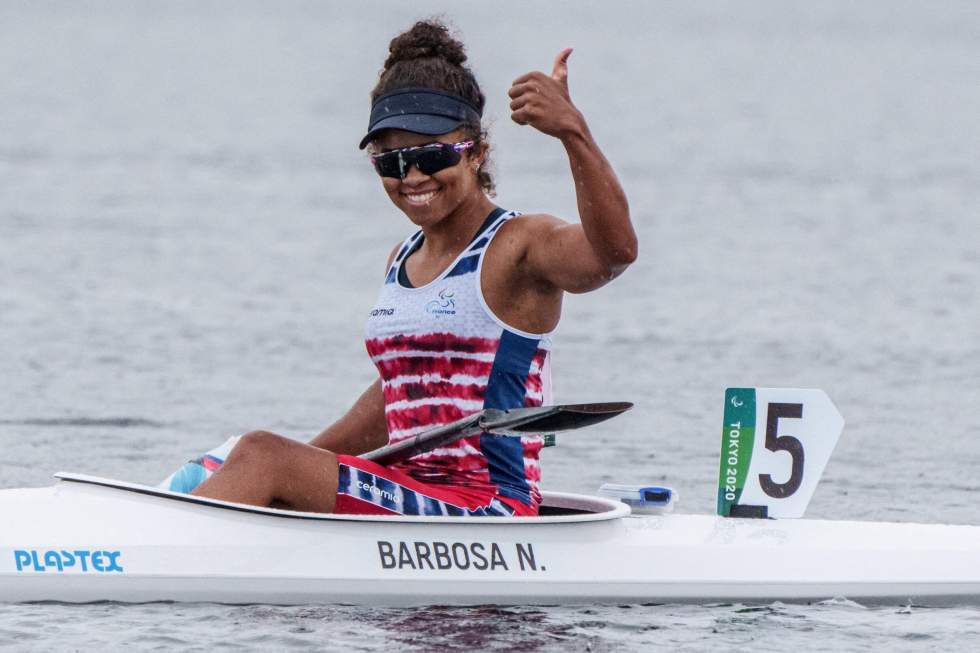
x,y
421,111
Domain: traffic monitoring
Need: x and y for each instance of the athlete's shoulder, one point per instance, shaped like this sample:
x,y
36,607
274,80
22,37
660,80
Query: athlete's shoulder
x,y
519,237
530,227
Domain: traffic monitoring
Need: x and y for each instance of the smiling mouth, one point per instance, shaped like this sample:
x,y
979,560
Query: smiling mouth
x,y
420,199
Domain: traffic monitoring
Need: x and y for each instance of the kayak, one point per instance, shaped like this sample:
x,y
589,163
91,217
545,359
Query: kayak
x,y
92,539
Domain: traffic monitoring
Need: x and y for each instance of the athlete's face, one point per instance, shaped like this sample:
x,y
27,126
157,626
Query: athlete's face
x,y
428,199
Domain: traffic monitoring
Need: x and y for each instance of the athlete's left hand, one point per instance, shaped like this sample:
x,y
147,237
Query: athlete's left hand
x,y
543,102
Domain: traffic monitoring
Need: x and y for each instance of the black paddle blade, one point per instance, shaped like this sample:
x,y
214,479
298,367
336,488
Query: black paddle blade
x,y
551,419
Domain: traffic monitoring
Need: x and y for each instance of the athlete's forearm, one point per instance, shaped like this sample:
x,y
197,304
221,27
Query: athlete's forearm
x,y
602,204
361,429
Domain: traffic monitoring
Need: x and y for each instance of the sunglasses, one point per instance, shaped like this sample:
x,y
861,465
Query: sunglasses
x,y
429,159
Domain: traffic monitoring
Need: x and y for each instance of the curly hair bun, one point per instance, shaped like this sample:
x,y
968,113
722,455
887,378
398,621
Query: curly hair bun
x,y
426,39
428,56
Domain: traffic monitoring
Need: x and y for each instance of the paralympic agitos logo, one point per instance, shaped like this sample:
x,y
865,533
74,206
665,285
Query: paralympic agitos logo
x,y
445,305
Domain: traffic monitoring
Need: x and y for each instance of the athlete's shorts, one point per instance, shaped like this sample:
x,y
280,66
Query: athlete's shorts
x,y
366,488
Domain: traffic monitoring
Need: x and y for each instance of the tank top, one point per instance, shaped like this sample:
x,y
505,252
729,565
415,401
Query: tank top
x,y
442,355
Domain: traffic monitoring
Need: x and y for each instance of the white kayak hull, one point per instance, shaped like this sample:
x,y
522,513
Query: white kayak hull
x,y
87,539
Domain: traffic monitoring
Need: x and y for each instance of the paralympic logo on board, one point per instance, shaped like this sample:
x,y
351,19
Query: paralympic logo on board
x,y
445,305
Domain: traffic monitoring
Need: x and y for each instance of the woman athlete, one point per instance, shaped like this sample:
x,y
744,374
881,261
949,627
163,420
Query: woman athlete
x,y
464,316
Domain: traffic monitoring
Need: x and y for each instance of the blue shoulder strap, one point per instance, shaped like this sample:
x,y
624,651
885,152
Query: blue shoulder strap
x,y
411,244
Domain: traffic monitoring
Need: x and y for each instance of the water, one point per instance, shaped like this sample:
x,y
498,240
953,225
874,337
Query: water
x,y
190,240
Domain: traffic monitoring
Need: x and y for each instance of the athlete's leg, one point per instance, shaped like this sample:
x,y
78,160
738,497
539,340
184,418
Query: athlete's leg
x,y
265,469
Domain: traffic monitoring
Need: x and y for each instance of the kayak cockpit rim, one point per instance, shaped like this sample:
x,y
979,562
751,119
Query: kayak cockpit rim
x,y
557,507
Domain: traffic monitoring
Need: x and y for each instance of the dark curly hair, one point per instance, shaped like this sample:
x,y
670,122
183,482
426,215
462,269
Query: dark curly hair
x,y
428,56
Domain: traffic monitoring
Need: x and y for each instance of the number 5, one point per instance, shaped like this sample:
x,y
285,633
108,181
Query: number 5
x,y
776,442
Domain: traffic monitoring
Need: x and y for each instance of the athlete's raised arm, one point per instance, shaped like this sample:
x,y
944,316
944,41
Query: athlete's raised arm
x,y
573,257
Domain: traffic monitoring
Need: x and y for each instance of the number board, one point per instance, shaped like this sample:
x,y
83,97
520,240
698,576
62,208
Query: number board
x,y
775,445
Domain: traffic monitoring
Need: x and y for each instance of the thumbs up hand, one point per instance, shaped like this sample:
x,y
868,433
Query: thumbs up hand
x,y
543,102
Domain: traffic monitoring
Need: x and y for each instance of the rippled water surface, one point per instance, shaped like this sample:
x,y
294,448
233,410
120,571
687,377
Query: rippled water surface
x,y
190,241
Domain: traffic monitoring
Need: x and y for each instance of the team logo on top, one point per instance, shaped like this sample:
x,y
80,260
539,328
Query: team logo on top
x,y
445,305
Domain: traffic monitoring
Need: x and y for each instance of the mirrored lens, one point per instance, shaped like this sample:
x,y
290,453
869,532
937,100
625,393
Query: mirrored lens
x,y
429,159
388,164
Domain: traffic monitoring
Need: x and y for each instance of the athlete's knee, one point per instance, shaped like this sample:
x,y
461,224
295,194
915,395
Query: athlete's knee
x,y
257,447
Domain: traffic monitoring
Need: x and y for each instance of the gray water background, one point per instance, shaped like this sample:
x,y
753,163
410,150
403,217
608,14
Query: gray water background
x,y
190,242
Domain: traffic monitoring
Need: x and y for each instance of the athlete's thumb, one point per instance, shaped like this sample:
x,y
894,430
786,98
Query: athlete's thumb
x,y
560,70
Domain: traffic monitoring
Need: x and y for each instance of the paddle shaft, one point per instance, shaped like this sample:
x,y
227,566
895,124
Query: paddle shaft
x,y
514,422
426,441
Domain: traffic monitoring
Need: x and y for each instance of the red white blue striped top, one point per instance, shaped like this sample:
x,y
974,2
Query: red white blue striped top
x,y
442,355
